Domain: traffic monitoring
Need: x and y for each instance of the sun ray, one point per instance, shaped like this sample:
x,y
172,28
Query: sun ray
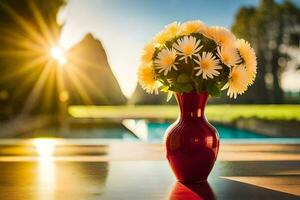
x,y
28,82
37,89
15,34
77,60
18,40
80,61
55,30
61,89
25,26
30,65
77,84
49,89
41,23
89,84
60,80
12,53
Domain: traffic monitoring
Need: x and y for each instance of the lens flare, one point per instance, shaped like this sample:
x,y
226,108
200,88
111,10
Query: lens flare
x,y
58,54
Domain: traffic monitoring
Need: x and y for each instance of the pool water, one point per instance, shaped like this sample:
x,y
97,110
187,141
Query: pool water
x,y
157,130
154,131
101,132
136,130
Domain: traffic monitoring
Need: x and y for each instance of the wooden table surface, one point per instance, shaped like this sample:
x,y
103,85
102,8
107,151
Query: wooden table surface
x,y
95,169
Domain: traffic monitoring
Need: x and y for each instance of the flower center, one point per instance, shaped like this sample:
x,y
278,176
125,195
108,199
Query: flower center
x,y
234,77
226,59
168,61
205,65
188,49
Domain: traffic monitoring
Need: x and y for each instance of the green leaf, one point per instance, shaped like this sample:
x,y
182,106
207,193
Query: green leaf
x,y
198,83
181,87
183,78
174,89
172,74
187,87
213,89
197,86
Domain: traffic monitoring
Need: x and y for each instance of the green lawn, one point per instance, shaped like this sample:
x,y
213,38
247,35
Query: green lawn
x,y
221,113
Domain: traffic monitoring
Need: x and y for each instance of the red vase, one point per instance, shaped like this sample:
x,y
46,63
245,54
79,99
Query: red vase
x,y
192,143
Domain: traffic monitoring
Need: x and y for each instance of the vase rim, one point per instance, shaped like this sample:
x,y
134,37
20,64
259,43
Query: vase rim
x,y
193,92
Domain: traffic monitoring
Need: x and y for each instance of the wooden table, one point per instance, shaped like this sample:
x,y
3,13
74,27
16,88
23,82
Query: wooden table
x,y
96,169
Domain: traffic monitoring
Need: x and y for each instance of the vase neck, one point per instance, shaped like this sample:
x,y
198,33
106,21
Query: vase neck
x,y
192,105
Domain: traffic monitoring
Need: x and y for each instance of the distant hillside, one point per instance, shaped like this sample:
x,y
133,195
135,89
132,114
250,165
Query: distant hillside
x,y
96,84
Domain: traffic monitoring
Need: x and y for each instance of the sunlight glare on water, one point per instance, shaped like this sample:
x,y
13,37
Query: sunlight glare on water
x,y
46,168
45,148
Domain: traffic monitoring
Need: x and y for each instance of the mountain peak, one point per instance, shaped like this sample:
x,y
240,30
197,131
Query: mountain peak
x,y
89,38
99,82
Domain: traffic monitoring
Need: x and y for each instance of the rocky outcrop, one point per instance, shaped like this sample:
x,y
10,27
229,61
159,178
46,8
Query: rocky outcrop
x,y
95,82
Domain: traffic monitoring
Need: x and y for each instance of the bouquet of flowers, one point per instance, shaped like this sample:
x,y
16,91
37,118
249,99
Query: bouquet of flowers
x,y
194,57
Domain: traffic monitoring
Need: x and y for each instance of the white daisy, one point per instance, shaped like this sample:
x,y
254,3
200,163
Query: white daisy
x,y
207,65
166,60
228,56
187,47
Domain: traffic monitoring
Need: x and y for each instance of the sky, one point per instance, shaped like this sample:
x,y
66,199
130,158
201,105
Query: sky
x,y
125,26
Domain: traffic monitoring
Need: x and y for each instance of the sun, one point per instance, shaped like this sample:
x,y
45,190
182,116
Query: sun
x,y
58,54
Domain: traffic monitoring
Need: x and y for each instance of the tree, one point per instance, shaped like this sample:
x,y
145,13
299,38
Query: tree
x,y
269,28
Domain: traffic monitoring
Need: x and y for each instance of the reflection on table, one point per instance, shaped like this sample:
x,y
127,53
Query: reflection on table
x,y
93,169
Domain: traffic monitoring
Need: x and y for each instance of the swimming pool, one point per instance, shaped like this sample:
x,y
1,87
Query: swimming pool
x,y
154,131
132,130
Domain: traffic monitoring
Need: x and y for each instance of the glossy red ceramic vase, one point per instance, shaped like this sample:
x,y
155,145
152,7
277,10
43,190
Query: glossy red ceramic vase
x,y
192,143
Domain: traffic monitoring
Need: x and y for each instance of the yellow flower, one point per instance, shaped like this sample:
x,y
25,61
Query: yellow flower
x,y
189,27
146,78
160,38
166,60
207,65
147,53
249,57
187,47
170,31
237,83
221,36
228,56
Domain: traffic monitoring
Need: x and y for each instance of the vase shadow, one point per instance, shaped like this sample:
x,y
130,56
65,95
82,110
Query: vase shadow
x,y
224,188
198,191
